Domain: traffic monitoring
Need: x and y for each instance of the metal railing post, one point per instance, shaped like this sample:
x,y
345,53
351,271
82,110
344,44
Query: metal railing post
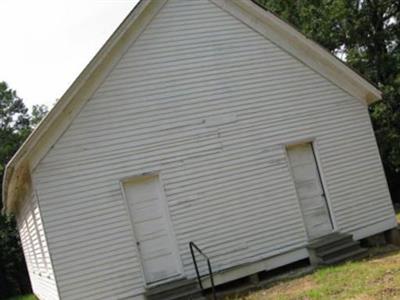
x,y
193,247
191,244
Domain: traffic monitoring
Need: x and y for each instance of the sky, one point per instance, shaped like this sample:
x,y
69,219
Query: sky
x,y
45,44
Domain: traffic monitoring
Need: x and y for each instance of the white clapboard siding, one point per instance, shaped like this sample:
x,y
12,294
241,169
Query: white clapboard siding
x,y
36,252
209,104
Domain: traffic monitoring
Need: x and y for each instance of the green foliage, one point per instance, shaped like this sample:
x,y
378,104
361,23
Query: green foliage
x,y
15,126
366,34
14,278
38,112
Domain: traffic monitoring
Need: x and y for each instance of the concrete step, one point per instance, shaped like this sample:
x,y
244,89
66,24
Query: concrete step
x,y
355,254
334,248
330,241
338,250
175,284
177,295
182,289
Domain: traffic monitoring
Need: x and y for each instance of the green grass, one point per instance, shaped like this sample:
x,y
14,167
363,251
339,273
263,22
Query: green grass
x,y
377,277
26,297
398,216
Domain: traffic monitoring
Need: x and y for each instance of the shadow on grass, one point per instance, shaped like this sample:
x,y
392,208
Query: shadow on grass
x,y
380,252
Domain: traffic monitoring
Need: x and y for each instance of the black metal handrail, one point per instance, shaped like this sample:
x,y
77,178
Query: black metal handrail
x,y
193,247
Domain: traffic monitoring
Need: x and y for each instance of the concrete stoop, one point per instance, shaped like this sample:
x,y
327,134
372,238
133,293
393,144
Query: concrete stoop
x,y
335,248
182,289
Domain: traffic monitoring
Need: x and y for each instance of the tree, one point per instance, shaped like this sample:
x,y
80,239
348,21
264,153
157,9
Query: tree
x,y
366,34
15,126
38,113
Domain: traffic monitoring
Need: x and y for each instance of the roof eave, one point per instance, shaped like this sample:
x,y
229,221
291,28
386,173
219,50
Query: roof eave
x,y
373,96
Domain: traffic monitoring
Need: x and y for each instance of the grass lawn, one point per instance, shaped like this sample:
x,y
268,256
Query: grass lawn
x,y
376,277
27,297
398,216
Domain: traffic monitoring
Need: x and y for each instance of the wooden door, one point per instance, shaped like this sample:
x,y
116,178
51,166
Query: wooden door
x,y
309,189
152,229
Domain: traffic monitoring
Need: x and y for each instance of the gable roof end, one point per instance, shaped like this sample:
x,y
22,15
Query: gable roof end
x,y
302,48
16,181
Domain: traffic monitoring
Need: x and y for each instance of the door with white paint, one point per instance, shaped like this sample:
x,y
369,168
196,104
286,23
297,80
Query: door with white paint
x,y
152,228
309,190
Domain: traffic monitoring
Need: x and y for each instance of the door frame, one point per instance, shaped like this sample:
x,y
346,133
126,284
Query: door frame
x,y
314,146
165,208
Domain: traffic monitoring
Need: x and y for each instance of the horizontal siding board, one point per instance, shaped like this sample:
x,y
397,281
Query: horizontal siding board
x,y
109,266
274,232
253,89
88,234
210,215
96,254
251,188
210,105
